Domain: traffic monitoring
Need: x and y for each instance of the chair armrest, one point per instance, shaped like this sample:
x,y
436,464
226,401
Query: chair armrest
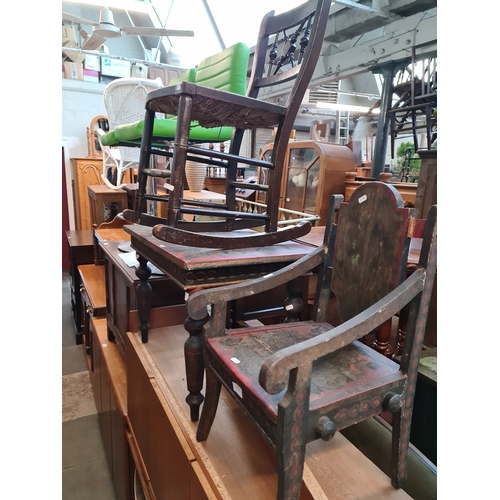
x,y
273,376
197,303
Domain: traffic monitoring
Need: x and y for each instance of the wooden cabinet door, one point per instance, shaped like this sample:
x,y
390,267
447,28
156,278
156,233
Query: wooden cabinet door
x,y
87,173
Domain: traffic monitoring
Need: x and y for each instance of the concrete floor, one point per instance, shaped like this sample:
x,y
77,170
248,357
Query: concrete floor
x,y
85,471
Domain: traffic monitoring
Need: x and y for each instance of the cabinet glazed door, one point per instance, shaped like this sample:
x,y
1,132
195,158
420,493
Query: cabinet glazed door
x,y
302,179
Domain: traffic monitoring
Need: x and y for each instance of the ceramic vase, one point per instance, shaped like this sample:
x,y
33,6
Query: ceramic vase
x,y
195,175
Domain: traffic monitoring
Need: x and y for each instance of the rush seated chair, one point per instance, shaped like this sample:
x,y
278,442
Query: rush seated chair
x,y
303,381
287,50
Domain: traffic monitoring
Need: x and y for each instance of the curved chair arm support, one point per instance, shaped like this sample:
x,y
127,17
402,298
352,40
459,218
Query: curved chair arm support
x,y
109,184
197,303
273,376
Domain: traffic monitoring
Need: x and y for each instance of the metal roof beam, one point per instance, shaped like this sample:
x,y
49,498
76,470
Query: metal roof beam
x,y
349,23
367,8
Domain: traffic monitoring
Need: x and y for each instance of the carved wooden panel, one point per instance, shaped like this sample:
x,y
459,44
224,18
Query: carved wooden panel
x,y
87,172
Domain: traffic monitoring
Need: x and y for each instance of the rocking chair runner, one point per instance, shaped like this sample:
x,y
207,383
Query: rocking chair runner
x,y
303,381
291,42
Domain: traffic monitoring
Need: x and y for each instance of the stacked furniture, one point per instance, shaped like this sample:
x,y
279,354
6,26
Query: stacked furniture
x,y
298,36
273,402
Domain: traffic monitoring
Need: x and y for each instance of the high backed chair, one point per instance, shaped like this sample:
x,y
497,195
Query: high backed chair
x,y
124,100
288,48
303,381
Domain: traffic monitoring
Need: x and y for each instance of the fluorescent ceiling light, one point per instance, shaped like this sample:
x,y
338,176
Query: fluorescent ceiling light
x,y
346,107
115,4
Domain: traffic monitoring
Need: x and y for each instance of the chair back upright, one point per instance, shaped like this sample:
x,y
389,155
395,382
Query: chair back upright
x,y
288,48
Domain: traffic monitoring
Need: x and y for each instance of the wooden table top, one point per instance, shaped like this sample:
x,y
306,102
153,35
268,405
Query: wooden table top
x,y
193,267
94,281
80,238
113,234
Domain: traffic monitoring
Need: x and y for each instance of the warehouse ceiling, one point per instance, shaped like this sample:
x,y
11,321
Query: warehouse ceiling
x,y
349,19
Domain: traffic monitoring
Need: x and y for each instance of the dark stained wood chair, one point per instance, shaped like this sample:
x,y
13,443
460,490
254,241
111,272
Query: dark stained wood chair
x,y
287,49
303,381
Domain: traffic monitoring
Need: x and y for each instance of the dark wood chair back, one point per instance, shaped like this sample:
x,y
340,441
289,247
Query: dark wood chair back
x,y
288,48
367,266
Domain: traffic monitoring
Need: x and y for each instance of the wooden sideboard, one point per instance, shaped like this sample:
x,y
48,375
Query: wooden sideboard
x,y
407,190
121,285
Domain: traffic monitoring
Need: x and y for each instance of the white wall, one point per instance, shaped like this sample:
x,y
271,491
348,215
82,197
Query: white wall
x,y
81,102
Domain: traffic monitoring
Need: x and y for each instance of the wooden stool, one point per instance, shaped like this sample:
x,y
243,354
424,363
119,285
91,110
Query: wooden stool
x,y
105,203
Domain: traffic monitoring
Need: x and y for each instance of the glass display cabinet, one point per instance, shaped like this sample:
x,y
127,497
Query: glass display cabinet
x,y
313,171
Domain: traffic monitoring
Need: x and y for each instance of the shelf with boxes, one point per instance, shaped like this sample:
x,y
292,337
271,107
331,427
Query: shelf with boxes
x,y
92,66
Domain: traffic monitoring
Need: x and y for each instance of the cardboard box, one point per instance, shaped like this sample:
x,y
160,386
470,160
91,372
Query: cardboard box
x,y
115,67
92,62
89,75
139,70
69,39
73,70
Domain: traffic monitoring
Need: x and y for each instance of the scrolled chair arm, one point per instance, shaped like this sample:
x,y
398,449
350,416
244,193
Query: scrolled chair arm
x,y
197,303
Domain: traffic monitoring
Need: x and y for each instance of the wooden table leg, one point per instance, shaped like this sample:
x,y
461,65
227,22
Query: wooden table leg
x,y
144,294
195,366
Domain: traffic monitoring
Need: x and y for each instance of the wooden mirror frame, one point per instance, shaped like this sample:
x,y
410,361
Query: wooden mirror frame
x,y
93,148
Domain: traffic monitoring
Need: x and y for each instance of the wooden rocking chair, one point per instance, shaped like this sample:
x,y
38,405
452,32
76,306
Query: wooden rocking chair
x,y
303,381
291,42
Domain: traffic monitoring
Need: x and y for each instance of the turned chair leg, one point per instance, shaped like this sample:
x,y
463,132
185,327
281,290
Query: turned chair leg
x,y
212,394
